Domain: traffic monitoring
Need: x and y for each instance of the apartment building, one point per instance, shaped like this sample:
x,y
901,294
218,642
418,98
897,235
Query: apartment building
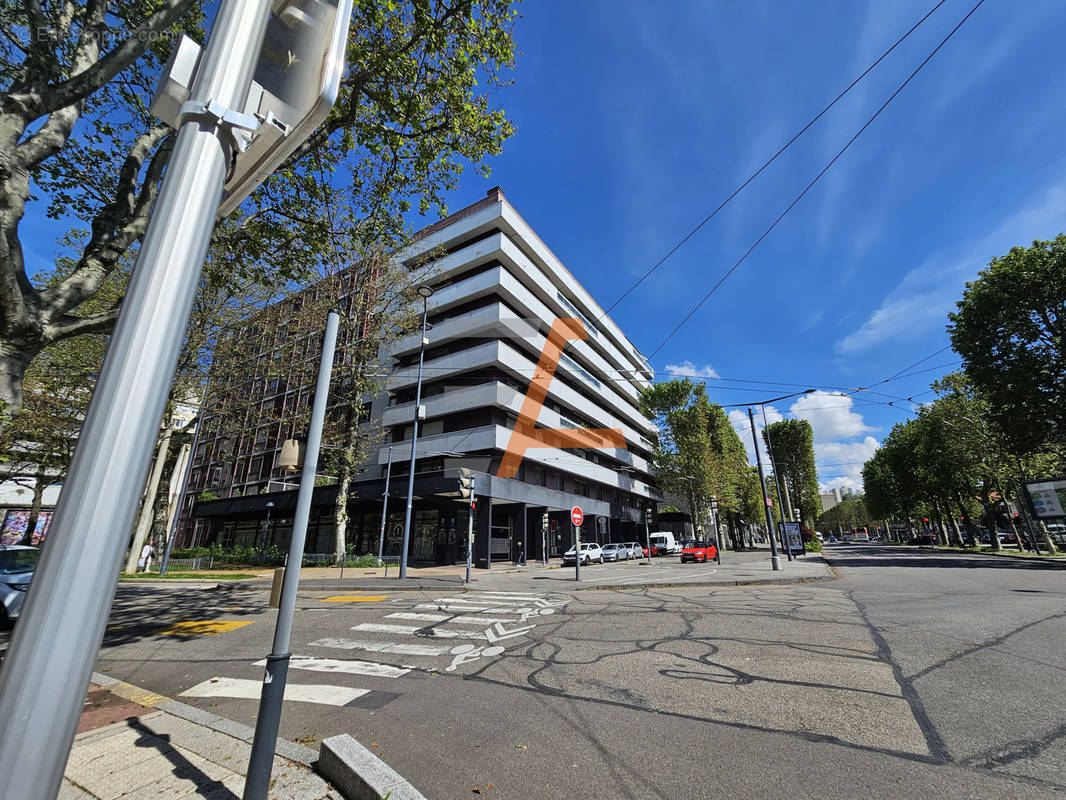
x,y
497,290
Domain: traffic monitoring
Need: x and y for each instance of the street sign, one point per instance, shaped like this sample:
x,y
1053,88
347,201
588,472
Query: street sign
x,y
576,516
1049,497
300,69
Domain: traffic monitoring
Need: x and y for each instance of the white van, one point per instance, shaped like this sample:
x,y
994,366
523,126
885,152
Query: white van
x,y
663,543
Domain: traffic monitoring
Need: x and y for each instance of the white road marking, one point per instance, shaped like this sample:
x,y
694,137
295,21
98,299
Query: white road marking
x,y
409,630
252,690
439,607
383,647
448,618
349,667
485,601
508,594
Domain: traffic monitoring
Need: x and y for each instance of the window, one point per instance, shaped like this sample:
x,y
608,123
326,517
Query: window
x,y
581,488
540,476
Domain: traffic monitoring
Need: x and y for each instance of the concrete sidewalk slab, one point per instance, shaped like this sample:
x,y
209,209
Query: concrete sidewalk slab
x,y
161,747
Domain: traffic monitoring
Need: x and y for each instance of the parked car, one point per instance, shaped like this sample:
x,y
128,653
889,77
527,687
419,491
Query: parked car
x,y
664,543
615,551
924,538
17,564
590,551
637,550
692,550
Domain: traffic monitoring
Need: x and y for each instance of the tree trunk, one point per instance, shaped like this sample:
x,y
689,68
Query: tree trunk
x,y
147,517
340,518
40,483
14,357
967,522
990,516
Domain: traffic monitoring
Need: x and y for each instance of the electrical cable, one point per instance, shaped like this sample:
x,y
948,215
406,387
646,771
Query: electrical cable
x,y
770,161
815,180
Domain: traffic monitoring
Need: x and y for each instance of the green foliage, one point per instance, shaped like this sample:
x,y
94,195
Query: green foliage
x,y
206,495
812,546
1009,329
851,512
793,450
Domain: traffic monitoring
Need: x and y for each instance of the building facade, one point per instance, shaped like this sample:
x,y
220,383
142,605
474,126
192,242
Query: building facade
x,y
497,292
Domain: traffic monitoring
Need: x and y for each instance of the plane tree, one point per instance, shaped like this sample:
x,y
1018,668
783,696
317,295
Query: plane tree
x,y
77,142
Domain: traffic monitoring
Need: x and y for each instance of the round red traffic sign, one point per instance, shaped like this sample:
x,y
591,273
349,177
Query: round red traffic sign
x,y
576,516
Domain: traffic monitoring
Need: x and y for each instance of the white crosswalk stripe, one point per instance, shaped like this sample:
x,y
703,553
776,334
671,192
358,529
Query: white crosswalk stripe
x,y
447,618
412,630
383,647
370,668
242,688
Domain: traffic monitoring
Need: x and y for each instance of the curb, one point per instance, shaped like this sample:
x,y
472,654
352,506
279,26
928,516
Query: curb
x,y
359,774
705,584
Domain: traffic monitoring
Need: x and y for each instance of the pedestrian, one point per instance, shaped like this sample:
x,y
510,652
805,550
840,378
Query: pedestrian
x,y
144,563
520,561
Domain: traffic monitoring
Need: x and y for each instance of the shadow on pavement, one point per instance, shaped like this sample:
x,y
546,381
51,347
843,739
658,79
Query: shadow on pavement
x,y
926,558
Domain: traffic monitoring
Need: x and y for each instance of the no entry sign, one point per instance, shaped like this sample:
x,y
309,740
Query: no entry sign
x,y
576,516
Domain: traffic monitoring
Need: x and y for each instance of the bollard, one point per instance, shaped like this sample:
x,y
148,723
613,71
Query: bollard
x,y
275,588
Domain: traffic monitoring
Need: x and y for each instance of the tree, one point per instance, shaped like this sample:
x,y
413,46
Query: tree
x,y
75,81
730,473
793,450
1009,330
683,454
849,513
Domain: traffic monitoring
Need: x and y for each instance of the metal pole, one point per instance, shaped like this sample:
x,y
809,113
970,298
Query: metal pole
x,y
717,532
172,533
470,534
414,443
775,559
384,509
50,659
777,480
266,530
277,666
577,551
647,532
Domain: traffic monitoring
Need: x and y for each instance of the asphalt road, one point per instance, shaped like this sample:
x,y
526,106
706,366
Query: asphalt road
x,y
917,673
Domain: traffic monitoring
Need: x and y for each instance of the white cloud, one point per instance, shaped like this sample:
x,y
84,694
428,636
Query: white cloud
x,y
846,458
686,369
830,415
927,293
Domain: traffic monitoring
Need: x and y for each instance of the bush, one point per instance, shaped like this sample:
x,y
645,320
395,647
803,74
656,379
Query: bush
x,y
813,546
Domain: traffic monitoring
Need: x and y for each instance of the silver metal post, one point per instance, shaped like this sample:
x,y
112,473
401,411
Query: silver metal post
x,y
277,667
384,510
172,533
414,438
47,668
647,532
470,534
775,559
577,552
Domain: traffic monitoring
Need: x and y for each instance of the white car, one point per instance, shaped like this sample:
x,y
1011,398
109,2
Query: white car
x,y
636,550
615,552
589,552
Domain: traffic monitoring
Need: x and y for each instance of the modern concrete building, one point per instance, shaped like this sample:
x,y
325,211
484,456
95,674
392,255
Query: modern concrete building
x,y
497,291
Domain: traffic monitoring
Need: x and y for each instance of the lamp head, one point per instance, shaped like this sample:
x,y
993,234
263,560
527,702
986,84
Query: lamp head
x,y
424,291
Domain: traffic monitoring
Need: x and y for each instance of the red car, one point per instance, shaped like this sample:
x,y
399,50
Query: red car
x,y
691,550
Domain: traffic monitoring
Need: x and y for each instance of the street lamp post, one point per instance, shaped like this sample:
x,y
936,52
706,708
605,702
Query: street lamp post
x,y
425,292
775,559
266,528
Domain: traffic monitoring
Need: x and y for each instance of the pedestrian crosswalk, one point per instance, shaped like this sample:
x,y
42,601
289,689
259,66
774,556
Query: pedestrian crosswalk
x,y
441,634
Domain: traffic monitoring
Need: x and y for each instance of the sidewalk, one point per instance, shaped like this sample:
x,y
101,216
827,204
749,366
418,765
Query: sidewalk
x,y
749,567
132,743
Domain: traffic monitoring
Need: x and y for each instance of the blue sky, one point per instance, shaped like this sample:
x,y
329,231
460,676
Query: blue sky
x,y
636,119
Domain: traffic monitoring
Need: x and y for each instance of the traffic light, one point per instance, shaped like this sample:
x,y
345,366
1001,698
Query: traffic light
x,y
466,483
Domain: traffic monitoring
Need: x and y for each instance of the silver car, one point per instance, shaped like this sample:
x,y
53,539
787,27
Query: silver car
x,y
17,564
636,550
615,552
